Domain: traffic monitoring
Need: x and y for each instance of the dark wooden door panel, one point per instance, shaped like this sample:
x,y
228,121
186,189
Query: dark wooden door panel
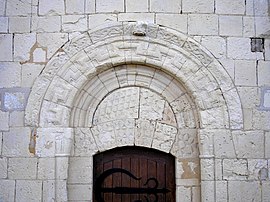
x,y
134,174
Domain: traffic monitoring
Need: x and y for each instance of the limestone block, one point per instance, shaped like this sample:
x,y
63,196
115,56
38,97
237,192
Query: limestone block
x,y
46,168
61,168
2,7
221,191
249,96
244,191
136,6
248,26
1,136
79,192
247,114
29,73
164,137
216,45
235,169
183,194
260,8
98,19
48,7
197,6
84,144
23,44
176,21
147,17
7,190
75,6
239,48
267,49
218,169
125,131
196,194
3,167
202,24
245,73
186,144
28,190
228,65
18,7
151,105
22,168
72,23
39,55
207,169
257,169
267,145
111,6
249,144
263,73
6,44
16,142
260,119
227,7
230,25
265,191
51,41
206,142
46,24
3,24
80,170
52,142
207,188
169,6
144,132
262,26
14,98
215,118
54,190
90,6
223,144
4,121
19,24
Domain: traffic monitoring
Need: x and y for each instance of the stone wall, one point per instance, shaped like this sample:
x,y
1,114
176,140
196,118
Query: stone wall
x,y
194,64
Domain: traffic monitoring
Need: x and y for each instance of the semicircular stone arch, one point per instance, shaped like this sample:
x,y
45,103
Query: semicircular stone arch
x,y
69,94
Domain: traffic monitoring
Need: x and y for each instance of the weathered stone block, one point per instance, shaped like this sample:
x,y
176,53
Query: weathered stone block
x,y
19,24
4,121
3,168
3,24
147,17
235,169
80,192
18,7
245,73
16,142
260,8
257,169
2,7
7,190
80,170
230,25
221,191
265,191
28,190
48,7
207,169
263,73
228,7
90,6
75,6
260,119
74,23
6,44
267,145
98,19
183,194
112,6
46,24
169,6
262,24
244,191
198,6
223,144
22,168
46,168
207,188
249,144
248,26
202,24
239,48
29,74
249,96
176,21
54,190
215,44
136,6
10,74
23,43
52,41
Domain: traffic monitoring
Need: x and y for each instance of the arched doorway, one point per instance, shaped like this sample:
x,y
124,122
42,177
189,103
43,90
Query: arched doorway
x,y
129,174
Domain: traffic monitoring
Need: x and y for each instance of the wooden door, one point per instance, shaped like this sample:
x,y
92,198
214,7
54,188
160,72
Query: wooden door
x,y
134,174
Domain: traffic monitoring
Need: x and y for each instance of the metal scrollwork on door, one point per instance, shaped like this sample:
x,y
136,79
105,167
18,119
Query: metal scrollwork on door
x,y
149,190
